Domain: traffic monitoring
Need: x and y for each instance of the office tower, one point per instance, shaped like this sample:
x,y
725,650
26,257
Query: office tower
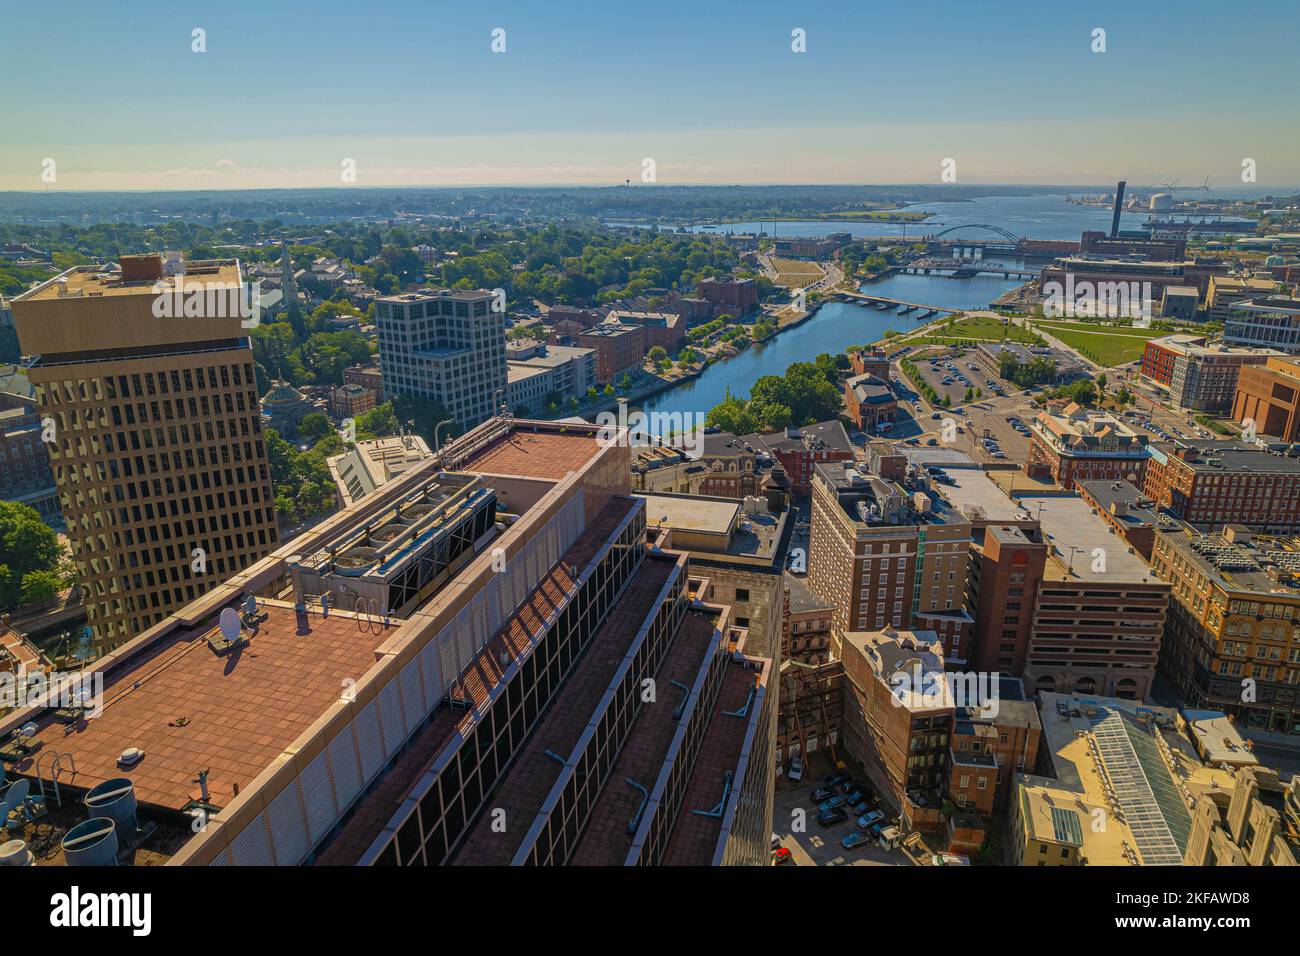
x,y
158,453
487,637
446,346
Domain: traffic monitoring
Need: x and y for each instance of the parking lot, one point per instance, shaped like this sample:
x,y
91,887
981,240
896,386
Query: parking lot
x,y
794,820
954,371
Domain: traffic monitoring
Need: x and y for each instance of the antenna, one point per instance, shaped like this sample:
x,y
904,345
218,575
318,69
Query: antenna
x,y
230,626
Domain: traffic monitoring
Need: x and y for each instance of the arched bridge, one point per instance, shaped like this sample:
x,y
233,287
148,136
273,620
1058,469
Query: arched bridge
x,y
1008,236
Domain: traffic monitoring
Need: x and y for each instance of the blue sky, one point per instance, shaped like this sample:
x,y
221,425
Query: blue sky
x,y
585,91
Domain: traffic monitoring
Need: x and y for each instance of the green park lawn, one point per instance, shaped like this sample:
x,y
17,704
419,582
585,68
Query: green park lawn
x,y
1107,345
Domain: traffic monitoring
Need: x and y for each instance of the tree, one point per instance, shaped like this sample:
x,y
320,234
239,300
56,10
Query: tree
x,y
314,426
657,354
41,586
29,548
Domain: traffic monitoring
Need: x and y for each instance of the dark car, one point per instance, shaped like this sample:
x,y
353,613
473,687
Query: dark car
x,y
828,818
823,793
837,778
855,796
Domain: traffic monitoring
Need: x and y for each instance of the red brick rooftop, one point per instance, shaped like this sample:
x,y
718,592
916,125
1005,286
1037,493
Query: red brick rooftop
x,y
376,809
541,454
188,709
533,774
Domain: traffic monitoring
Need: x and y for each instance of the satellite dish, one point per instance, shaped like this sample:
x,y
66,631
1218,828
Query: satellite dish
x,y
230,626
250,604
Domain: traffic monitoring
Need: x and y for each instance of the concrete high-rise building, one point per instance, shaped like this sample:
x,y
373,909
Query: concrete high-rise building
x,y
446,346
158,453
469,643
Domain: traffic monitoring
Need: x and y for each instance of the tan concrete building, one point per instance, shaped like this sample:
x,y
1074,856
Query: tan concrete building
x,y
159,456
1254,820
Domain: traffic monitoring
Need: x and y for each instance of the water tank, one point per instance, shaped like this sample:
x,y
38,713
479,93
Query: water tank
x,y
15,853
1162,202
91,843
114,799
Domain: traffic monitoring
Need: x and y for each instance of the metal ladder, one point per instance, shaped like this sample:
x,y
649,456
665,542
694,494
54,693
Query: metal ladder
x,y
56,767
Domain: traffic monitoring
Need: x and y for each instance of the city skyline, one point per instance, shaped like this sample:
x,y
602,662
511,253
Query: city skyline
x,y
1021,98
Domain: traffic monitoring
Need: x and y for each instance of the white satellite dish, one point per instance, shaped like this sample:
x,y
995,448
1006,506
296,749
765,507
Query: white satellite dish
x,y
250,604
230,626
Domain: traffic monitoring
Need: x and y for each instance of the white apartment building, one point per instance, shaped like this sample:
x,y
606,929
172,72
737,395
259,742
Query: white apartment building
x,y
446,346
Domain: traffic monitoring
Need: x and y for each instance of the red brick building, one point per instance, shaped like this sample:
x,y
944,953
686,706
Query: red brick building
x,y
799,450
1074,443
870,402
1226,482
736,297
665,329
872,361
619,348
1269,395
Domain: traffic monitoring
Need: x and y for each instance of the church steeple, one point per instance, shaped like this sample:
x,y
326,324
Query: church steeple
x,y
287,284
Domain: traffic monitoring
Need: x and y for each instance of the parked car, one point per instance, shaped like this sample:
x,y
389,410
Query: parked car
x,y
782,857
822,794
855,840
796,768
828,818
874,816
838,778
833,803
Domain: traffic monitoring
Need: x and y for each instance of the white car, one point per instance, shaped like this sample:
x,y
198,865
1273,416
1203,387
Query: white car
x,y
796,769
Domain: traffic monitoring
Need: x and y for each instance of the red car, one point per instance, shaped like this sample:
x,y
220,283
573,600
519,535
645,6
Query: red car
x,y
781,857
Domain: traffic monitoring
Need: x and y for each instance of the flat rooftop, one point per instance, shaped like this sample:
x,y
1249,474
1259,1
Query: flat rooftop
x,y
96,281
541,454
188,709
1250,564
1126,503
691,513
974,493
1230,458
1075,534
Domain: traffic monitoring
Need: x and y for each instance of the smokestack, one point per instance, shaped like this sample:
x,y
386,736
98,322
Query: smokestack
x,y
1119,205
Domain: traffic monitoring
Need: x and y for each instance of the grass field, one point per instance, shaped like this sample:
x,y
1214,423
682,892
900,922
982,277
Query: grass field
x,y
1107,345
977,328
794,273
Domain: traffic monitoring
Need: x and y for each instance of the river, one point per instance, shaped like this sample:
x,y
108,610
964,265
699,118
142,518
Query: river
x,y
837,325
1031,217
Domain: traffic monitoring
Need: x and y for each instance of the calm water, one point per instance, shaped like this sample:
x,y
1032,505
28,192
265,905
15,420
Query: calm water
x,y
1031,217
838,325
835,327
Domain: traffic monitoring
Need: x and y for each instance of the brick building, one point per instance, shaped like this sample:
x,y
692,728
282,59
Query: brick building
x,y
619,349
1214,483
1196,375
737,297
799,450
1075,443
1269,395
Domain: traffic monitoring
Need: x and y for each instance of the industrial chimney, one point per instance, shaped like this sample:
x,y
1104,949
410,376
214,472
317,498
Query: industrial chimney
x,y
1119,206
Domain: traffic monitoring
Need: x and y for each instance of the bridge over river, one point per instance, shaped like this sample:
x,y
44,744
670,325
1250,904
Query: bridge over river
x,y
900,306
